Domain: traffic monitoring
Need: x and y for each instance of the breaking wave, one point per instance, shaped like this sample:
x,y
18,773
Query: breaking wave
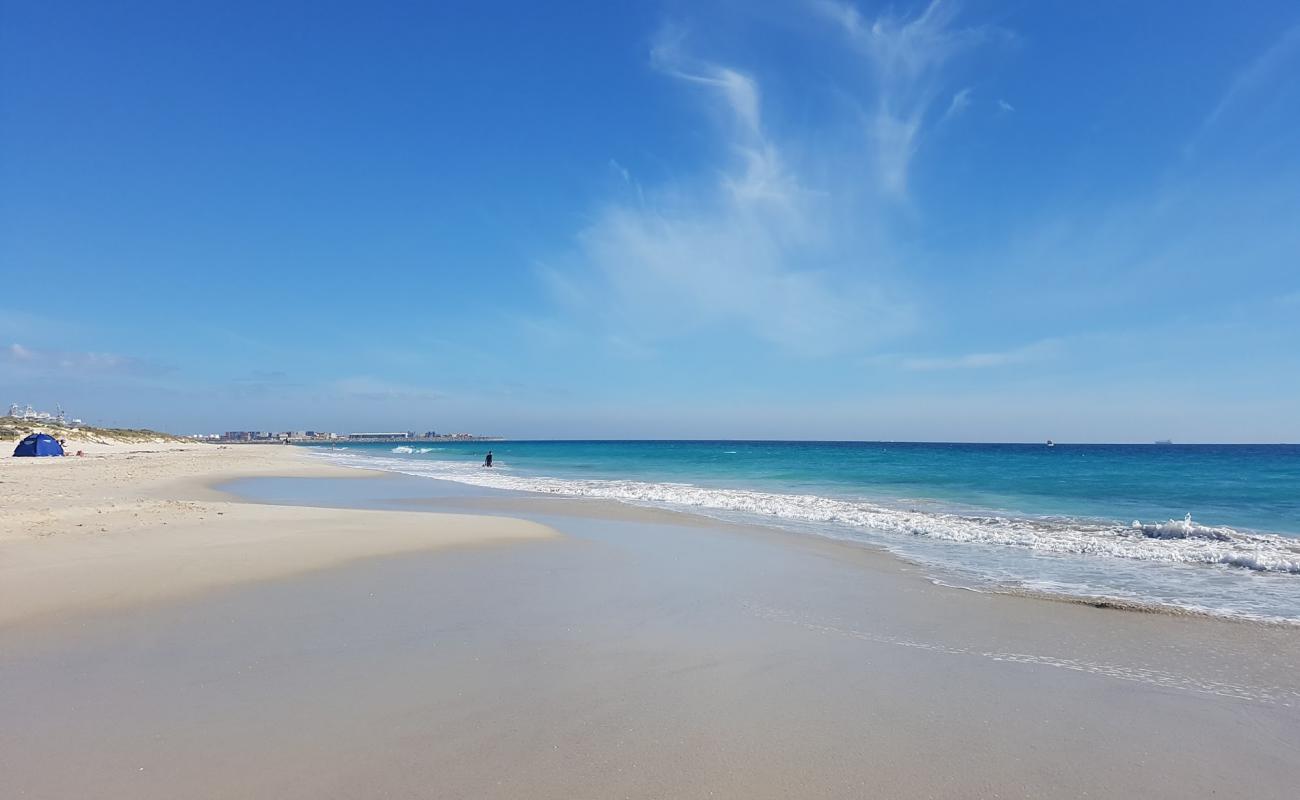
x,y
1172,541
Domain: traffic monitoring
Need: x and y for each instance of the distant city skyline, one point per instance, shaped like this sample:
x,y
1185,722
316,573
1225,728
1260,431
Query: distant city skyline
x,y
809,219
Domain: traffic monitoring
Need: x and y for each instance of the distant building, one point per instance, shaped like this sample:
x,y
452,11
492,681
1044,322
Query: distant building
x,y
385,436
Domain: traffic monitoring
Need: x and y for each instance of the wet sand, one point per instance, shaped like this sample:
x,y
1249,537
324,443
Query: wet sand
x,y
637,654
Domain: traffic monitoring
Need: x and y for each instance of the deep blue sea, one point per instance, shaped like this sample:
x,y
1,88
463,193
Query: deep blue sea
x,y
1211,528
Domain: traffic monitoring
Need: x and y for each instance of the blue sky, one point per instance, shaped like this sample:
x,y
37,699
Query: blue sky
x,y
803,219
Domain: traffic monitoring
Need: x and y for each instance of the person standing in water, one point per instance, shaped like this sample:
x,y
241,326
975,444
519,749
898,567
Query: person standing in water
x,y
487,462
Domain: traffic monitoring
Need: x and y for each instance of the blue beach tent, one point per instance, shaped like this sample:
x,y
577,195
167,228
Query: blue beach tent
x,y
39,444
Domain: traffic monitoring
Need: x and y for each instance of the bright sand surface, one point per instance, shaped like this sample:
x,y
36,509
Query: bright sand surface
x,y
126,524
640,654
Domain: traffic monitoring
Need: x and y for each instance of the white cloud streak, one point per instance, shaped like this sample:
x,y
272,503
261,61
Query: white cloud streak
x,y
738,89
364,387
1257,74
1038,351
908,56
785,241
749,248
960,102
48,361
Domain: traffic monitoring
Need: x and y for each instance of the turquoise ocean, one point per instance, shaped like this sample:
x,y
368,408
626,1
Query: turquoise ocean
x,y
1207,528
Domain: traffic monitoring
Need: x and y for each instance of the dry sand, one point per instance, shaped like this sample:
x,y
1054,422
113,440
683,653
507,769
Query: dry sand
x,y
127,524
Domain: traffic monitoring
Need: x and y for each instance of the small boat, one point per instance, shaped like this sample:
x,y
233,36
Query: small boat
x,y
1164,441
1051,443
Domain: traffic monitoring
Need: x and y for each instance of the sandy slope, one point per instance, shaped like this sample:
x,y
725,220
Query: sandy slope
x,y
126,524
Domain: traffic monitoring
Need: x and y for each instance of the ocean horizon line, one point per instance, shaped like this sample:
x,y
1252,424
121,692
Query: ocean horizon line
x,y
1038,442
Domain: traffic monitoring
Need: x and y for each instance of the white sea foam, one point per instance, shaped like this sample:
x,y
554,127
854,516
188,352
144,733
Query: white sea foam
x,y
1167,679
1173,541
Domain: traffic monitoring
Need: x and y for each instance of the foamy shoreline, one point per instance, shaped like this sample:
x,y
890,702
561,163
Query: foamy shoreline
x,y
1141,567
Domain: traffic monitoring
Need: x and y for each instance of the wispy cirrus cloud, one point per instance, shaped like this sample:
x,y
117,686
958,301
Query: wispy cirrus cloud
x,y
785,240
1037,351
908,56
747,247
364,387
959,103
262,382
1241,101
1258,74
48,361
23,324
